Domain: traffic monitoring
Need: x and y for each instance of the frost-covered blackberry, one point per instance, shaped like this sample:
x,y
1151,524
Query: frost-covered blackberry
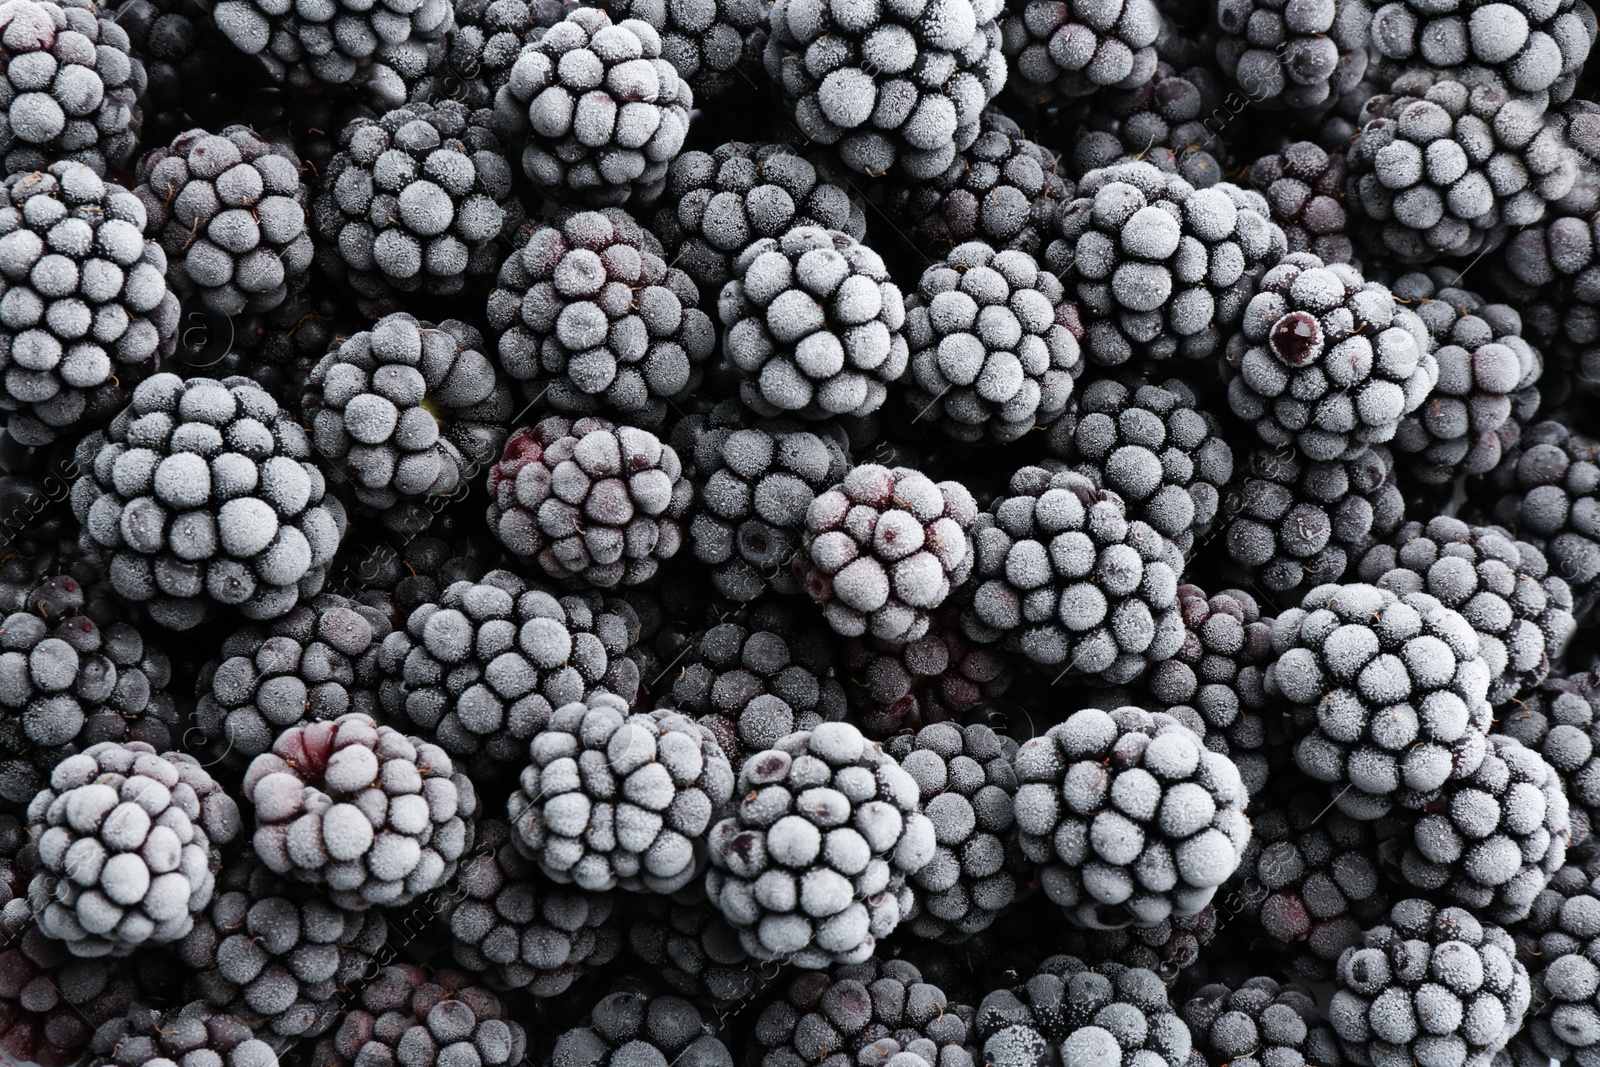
x,y
1065,577
591,319
1162,121
1260,1022
188,83
693,950
1327,361
613,799
191,1036
1065,50
884,548
1431,985
519,931
599,110
1159,268
1131,817
812,866
897,87
1387,692
967,783
415,1018
631,1027
1301,57
939,677
488,37
1305,190
407,411
1503,587
813,325
481,670
1559,721
150,827
414,202
1445,168
717,202
594,503
52,1002
715,45
1535,48
71,87
1003,189
374,816
1557,943
1155,446
309,46
994,345
230,212
202,492
87,311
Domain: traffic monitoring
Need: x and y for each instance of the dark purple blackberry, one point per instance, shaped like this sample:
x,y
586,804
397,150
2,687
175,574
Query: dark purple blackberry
x,y
1161,121
1556,941
1062,50
188,80
715,45
1559,721
51,1002
994,345
692,949
275,349
192,1036
1169,947
1503,587
1257,1023
1387,692
1537,48
939,677
632,1027
325,44
408,1017
1305,189
485,43
1155,446
1299,57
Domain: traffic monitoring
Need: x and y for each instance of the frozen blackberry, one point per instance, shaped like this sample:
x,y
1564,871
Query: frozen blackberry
x,y
1433,986
715,45
80,104
1387,692
897,88
868,1014
1168,947
692,949
230,212
813,324
1159,268
414,202
1559,722
590,318
1442,167
884,548
994,345
482,669
1327,361
1003,188
631,1027
1301,57
852,815
485,43
967,783
1502,586
1257,1023
1162,121
1112,1014
1131,817
376,817
615,799
188,81
939,677
754,484
276,958
1494,837
51,1002
325,44
149,825
603,135
1544,492
202,492
594,503
193,1036
717,202
1059,49
1535,48
1305,190
318,662
1155,446
407,411
1065,577
1293,523
276,349
1557,943
410,1018
87,312
519,931
1220,671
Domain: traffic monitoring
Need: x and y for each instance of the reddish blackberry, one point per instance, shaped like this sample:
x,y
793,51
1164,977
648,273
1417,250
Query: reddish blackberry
x,y
192,1036
411,1018
939,677
1305,189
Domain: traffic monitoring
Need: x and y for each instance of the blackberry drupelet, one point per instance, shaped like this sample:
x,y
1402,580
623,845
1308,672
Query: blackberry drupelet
x,y
993,343
1305,190
200,493
1299,57
600,110
1260,1022
87,311
1387,693
591,319
1066,578
321,45
229,210
1060,50
631,1027
411,1018
594,503
812,866
1535,48
692,949
374,816
1161,269
1132,819
884,548
1155,446
939,677
813,325
715,45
